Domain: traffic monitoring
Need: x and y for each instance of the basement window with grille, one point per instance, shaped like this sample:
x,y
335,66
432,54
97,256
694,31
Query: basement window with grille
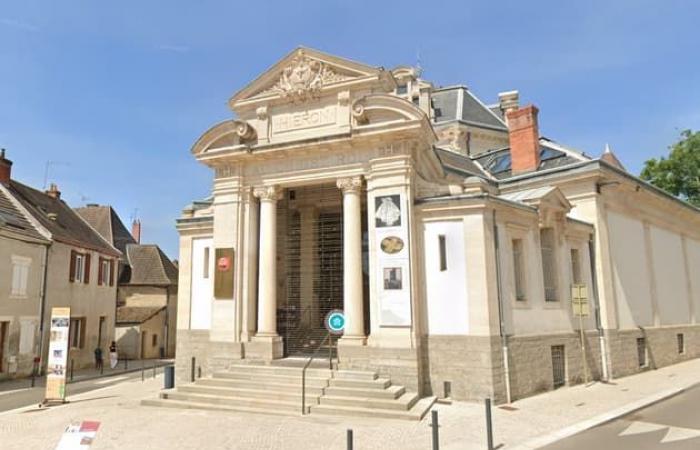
x,y
681,343
642,352
558,366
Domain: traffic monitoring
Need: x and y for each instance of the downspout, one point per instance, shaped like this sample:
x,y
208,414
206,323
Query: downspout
x,y
42,304
501,322
598,325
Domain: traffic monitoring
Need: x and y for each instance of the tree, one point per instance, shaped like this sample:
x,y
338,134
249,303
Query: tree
x,y
679,173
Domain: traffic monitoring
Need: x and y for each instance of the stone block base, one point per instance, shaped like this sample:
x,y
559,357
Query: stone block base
x,y
264,348
399,364
210,356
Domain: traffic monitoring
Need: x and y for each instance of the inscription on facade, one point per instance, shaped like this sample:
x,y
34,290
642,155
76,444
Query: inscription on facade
x,y
311,118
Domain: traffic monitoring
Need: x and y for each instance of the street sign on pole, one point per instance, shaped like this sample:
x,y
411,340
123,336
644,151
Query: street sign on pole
x,y
335,321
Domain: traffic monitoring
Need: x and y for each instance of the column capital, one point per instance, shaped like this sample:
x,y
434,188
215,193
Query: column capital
x,y
268,193
349,184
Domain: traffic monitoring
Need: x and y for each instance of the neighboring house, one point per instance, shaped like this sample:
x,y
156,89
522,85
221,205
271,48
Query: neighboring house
x,y
147,290
80,271
23,251
451,234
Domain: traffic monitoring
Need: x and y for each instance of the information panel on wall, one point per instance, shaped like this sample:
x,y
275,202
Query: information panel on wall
x,y
393,277
58,355
223,275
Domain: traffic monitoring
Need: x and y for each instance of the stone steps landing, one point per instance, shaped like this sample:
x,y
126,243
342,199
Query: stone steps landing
x,y
276,389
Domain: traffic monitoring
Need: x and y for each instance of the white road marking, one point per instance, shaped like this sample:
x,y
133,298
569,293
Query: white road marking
x,y
673,434
111,380
14,391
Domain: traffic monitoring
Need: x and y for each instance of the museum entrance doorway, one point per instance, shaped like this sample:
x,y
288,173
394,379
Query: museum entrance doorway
x,y
310,249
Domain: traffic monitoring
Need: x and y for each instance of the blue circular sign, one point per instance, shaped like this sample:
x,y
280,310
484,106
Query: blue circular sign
x,y
335,321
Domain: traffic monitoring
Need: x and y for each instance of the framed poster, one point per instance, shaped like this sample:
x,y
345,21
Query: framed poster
x,y
58,355
223,275
387,211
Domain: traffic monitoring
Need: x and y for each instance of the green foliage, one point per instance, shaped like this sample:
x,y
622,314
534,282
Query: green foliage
x,y
679,173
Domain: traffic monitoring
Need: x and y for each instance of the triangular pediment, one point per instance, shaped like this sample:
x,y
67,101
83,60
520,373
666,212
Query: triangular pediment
x,y
301,72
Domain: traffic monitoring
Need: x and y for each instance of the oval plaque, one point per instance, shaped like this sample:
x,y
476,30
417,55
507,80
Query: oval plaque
x,y
392,244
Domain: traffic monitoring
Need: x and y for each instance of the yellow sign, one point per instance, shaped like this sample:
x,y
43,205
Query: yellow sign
x,y
579,300
58,354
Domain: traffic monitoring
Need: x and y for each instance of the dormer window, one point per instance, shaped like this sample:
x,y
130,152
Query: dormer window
x,y
402,89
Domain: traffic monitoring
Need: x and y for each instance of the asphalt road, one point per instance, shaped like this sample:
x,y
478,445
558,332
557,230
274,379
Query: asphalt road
x,y
33,396
673,424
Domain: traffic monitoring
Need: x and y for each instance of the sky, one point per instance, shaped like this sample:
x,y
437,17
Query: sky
x,y
110,96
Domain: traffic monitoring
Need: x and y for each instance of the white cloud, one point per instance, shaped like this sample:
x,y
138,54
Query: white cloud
x,y
19,25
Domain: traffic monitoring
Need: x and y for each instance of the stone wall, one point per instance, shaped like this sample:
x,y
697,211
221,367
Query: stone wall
x,y
399,364
210,356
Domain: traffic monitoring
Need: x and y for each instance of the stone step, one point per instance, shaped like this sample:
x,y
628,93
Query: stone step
x,y
312,386
403,403
420,408
163,403
390,392
379,383
258,403
279,370
249,393
279,379
355,375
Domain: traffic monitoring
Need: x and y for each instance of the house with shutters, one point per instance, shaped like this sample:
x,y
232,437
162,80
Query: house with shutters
x,y
75,268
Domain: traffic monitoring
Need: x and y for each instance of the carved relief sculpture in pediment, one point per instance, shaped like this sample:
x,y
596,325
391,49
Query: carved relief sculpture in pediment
x,y
303,78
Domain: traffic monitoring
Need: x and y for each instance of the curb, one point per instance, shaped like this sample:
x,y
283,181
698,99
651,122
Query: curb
x,y
602,419
114,374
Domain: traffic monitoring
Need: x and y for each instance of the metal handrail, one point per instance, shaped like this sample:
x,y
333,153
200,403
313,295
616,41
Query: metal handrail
x,y
308,363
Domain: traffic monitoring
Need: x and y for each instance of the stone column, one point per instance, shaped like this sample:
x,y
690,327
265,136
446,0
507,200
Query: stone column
x,y
352,260
267,265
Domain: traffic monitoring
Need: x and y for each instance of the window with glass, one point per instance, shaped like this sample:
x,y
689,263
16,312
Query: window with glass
x,y
549,264
518,269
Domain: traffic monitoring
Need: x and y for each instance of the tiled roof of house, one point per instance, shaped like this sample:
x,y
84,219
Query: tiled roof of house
x,y
12,219
106,221
148,265
136,314
64,224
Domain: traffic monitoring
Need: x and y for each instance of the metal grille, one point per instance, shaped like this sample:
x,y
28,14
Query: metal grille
x,y
558,366
681,343
642,352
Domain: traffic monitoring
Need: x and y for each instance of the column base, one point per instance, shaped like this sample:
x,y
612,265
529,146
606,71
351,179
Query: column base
x,y
352,341
264,347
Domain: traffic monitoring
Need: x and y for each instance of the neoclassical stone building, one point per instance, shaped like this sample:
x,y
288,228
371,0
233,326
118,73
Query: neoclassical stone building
x,y
449,231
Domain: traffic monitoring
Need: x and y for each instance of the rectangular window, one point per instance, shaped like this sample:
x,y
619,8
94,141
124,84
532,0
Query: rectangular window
x,y
77,332
154,340
549,264
79,271
443,252
105,274
78,268
642,352
518,269
205,265
681,343
401,89
20,276
576,276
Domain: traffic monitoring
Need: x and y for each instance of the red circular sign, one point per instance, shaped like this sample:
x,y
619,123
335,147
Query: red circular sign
x,y
223,263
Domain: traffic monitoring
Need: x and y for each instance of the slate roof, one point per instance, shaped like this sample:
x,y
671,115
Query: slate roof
x,y
66,226
463,165
498,164
13,220
148,265
458,103
106,221
136,314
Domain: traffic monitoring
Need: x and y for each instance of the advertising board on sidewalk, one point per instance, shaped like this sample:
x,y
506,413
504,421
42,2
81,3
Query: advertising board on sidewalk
x,y
58,355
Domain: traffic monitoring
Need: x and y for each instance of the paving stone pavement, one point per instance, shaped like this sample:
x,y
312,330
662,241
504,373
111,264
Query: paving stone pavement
x,y
128,425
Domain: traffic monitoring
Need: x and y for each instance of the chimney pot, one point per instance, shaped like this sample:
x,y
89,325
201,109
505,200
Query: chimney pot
x,y
508,101
53,191
5,168
136,230
524,137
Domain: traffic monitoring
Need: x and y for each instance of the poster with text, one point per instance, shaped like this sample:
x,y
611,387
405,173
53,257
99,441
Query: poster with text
x,y
58,354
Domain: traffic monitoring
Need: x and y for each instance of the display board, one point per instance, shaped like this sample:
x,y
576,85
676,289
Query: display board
x,y
58,355
223,275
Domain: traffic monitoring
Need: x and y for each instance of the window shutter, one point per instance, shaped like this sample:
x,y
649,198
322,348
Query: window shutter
x,y
83,323
111,272
86,278
71,273
99,271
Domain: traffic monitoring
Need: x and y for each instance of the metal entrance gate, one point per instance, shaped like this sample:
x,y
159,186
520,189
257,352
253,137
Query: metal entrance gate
x,y
313,263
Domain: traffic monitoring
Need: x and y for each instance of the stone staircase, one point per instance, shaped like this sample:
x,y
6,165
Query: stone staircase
x,y
277,390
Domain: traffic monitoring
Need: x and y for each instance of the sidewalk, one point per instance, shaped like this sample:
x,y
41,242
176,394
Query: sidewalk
x,y
125,424
9,386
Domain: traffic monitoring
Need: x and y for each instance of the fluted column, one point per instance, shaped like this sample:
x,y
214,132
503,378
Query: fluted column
x,y
267,265
352,258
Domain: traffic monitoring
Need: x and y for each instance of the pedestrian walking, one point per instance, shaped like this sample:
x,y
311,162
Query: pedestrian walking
x,y
98,358
113,356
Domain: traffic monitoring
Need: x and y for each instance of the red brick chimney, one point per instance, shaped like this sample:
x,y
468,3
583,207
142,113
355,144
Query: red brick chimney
x,y
136,230
524,136
5,168
53,191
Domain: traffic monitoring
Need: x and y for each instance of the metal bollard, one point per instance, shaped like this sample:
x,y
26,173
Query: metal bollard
x,y
125,364
71,369
436,432
192,370
102,367
154,369
199,372
349,439
489,425
143,370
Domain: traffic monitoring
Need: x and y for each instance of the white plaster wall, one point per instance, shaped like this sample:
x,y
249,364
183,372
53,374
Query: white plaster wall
x,y
669,273
447,300
693,247
630,273
202,288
